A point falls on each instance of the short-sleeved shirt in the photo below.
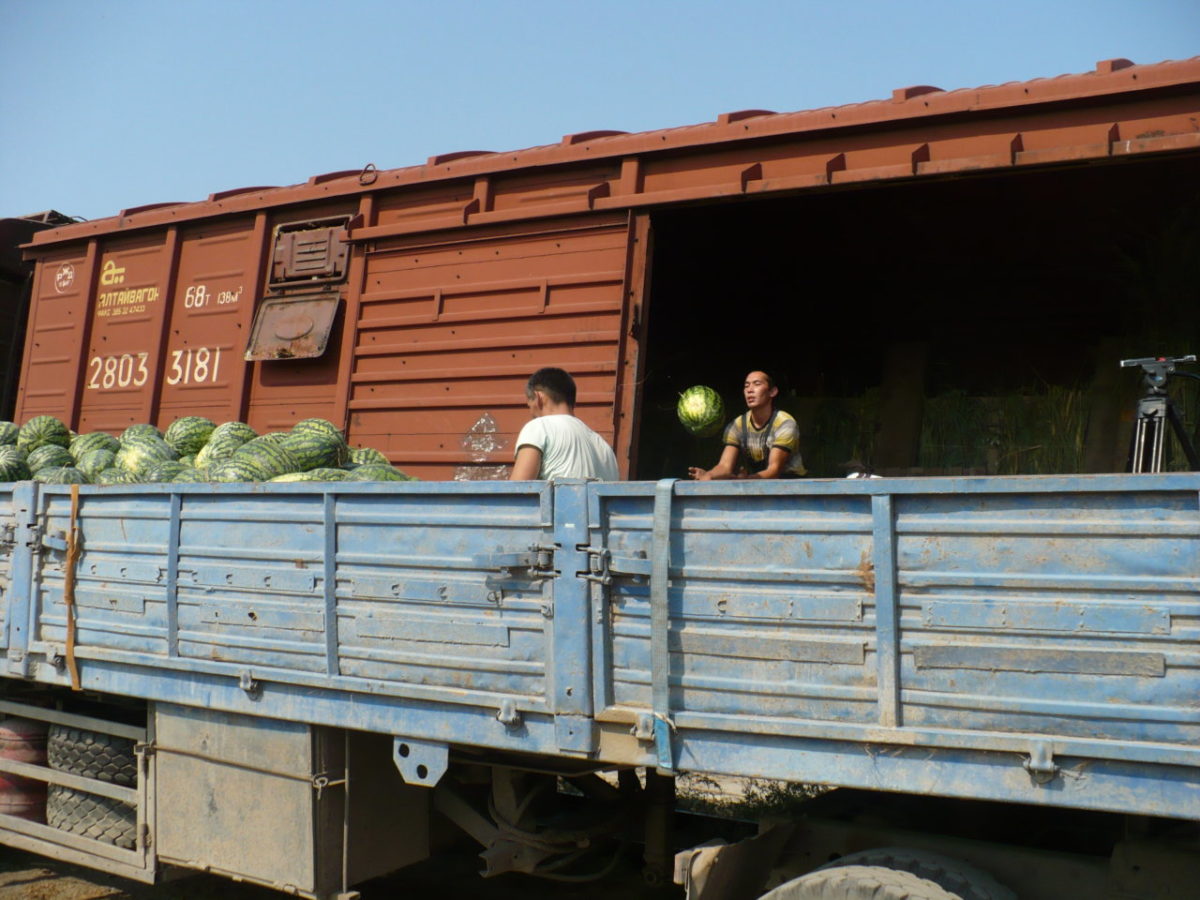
(569, 448)
(755, 443)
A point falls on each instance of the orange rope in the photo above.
(69, 586)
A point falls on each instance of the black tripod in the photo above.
(1156, 410)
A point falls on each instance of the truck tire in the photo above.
(957, 877)
(91, 816)
(859, 883)
(92, 754)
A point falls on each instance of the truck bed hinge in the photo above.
(1040, 764)
(602, 565)
(532, 564)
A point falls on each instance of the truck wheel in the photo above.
(859, 883)
(91, 816)
(92, 754)
(957, 877)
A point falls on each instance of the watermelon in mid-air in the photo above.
(701, 410)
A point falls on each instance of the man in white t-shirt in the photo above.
(555, 444)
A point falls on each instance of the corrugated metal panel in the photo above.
(212, 302)
(448, 333)
(992, 614)
(58, 321)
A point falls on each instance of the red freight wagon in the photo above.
(901, 246)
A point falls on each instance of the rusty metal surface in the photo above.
(292, 327)
(447, 334)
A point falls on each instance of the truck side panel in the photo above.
(900, 633)
(1021, 639)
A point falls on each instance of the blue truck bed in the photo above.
(1028, 639)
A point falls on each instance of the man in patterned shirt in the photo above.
(763, 442)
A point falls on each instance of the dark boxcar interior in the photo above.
(965, 325)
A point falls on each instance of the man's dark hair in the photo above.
(554, 383)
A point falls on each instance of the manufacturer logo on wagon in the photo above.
(111, 274)
(64, 277)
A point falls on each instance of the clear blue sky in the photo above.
(109, 104)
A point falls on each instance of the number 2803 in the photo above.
(108, 372)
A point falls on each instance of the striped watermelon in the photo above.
(43, 430)
(12, 464)
(60, 475)
(374, 472)
(239, 468)
(114, 476)
(321, 474)
(136, 431)
(314, 448)
(95, 461)
(48, 456)
(188, 434)
(223, 442)
(166, 470)
(93, 440)
(269, 452)
(190, 475)
(142, 450)
(365, 456)
(8, 434)
(701, 410)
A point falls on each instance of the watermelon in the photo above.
(374, 472)
(114, 476)
(60, 475)
(48, 455)
(322, 426)
(166, 470)
(42, 430)
(189, 475)
(12, 464)
(322, 474)
(142, 450)
(93, 462)
(136, 431)
(701, 410)
(223, 442)
(93, 440)
(314, 448)
(240, 468)
(364, 456)
(188, 434)
(269, 452)
(8, 434)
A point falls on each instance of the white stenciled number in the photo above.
(195, 296)
(126, 370)
(194, 366)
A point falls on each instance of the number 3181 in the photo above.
(194, 365)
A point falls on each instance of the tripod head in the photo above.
(1157, 369)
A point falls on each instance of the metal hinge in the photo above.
(602, 565)
(535, 563)
(1040, 765)
(33, 537)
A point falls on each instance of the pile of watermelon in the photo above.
(192, 449)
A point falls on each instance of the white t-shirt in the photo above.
(569, 448)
